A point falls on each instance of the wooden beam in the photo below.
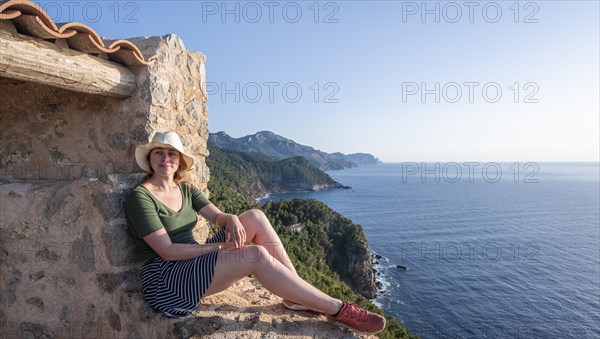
(29, 59)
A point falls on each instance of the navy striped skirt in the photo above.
(175, 287)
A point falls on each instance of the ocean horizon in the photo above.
(491, 249)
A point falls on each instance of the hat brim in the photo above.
(141, 154)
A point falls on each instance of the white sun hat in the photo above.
(164, 140)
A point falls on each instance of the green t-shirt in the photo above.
(146, 214)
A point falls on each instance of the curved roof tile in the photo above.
(31, 20)
(9, 14)
(34, 26)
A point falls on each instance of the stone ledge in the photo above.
(247, 310)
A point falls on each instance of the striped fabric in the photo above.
(175, 287)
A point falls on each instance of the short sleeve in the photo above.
(198, 199)
(142, 214)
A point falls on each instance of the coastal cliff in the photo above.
(255, 176)
(328, 236)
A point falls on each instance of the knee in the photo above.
(255, 254)
(250, 255)
(254, 215)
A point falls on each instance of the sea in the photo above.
(480, 249)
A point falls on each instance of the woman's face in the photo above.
(164, 161)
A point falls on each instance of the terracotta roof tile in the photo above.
(9, 14)
(31, 20)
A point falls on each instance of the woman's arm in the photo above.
(234, 230)
(162, 245)
(212, 213)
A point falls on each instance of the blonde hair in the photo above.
(179, 174)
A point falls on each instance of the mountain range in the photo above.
(274, 147)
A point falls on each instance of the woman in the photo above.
(161, 213)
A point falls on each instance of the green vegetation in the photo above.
(315, 249)
(337, 241)
(318, 244)
(232, 176)
(256, 176)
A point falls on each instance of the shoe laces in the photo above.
(356, 312)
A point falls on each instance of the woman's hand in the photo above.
(234, 231)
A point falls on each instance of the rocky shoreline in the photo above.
(381, 265)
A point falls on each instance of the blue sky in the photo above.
(370, 72)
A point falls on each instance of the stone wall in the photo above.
(53, 134)
(67, 264)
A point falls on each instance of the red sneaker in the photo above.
(351, 315)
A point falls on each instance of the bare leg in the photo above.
(260, 232)
(235, 264)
